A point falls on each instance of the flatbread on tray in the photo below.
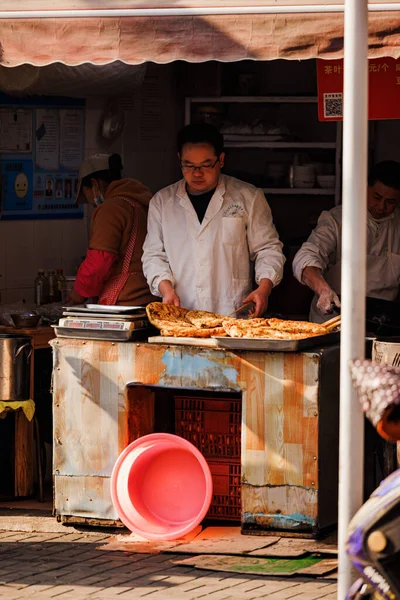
(158, 313)
(189, 331)
(204, 319)
(174, 321)
(297, 326)
(247, 328)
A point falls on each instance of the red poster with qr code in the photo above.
(384, 89)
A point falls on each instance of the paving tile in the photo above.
(69, 566)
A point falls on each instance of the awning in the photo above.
(227, 38)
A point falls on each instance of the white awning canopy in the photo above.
(169, 30)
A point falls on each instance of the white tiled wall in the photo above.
(26, 246)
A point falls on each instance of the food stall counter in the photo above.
(104, 398)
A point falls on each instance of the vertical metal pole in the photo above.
(355, 165)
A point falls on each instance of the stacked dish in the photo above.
(304, 176)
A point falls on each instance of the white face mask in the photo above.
(98, 199)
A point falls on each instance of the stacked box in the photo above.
(213, 425)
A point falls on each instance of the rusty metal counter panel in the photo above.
(94, 418)
(280, 441)
(96, 415)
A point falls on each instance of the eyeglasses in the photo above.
(194, 168)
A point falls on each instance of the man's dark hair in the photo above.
(201, 133)
(387, 172)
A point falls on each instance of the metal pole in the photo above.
(81, 13)
(353, 290)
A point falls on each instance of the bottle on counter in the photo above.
(61, 285)
(40, 288)
(53, 287)
(46, 287)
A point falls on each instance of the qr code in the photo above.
(333, 106)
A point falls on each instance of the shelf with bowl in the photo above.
(302, 122)
(282, 145)
(304, 191)
(252, 100)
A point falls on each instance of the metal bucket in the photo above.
(15, 367)
(387, 351)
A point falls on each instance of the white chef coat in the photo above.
(323, 250)
(210, 264)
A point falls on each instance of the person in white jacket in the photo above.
(208, 234)
(318, 262)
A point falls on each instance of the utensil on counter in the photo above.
(333, 323)
(236, 312)
(29, 319)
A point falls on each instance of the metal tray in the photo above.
(103, 308)
(268, 345)
(103, 335)
(105, 316)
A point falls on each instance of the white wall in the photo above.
(26, 246)
(147, 147)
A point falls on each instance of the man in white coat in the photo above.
(318, 262)
(208, 234)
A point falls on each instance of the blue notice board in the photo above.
(17, 178)
(41, 149)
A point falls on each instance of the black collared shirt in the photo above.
(200, 203)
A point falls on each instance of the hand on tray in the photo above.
(260, 298)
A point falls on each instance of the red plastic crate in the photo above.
(226, 500)
(212, 425)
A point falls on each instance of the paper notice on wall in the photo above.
(71, 138)
(152, 113)
(15, 130)
(47, 137)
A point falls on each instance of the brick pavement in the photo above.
(67, 566)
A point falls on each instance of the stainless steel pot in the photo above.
(15, 367)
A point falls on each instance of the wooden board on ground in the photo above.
(184, 341)
(139, 545)
(311, 565)
(223, 540)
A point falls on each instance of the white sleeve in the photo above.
(319, 249)
(155, 261)
(263, 240)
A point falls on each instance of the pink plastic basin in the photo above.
(161, 487)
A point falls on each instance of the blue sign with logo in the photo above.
(17, 183)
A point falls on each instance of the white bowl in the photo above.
(303, 182)
(326, 181)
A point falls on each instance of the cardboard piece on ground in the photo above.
(310, 565)
(139, 545)
(327, 565)
(220, 540)
(299, 547)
